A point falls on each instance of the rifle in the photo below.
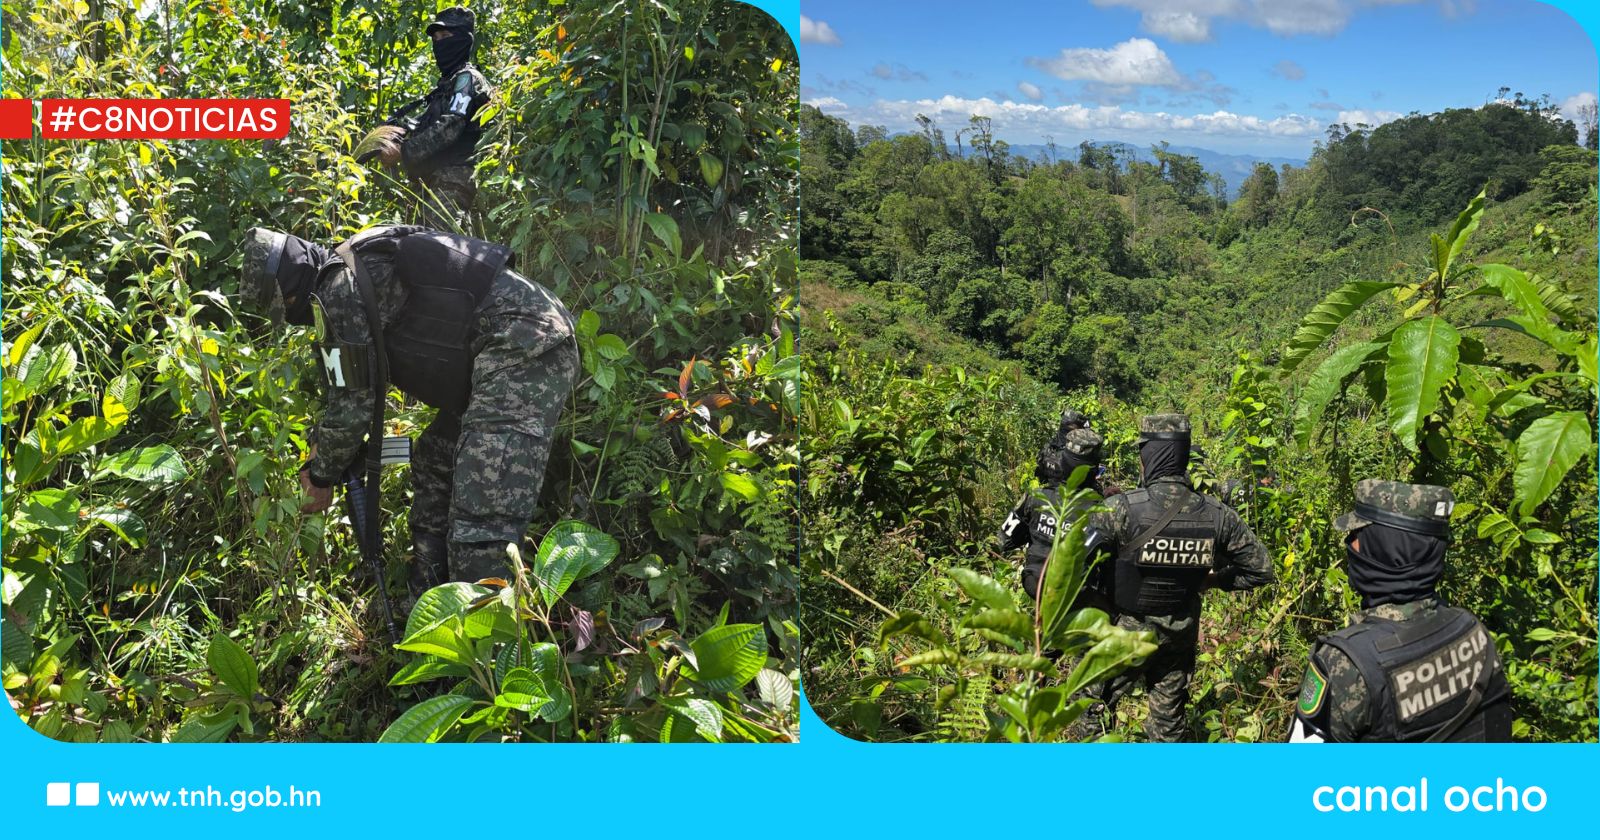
(392, 130)
(365, 513)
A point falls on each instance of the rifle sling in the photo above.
(380, 392)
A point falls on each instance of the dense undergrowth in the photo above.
(1288, 331)
(160, 583)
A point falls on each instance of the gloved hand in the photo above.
(321, 497)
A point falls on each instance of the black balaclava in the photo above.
(1393, 566)
(452, 52)
(297, 277)
(1162, 458)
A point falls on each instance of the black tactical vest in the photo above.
(429, 343)
(1422, 676)
(1160, 575)
(458, 153)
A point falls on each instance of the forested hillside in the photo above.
(160, 581)
(956, 304)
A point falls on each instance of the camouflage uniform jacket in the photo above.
(448, 129)
(347, 412)
(1348, 715)
(1243, 561)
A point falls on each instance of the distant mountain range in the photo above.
(1233, 168)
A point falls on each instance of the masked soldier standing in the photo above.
(1032, 524)
(1169, 544)
(1409, 667)
(456, 328)
(437, 153)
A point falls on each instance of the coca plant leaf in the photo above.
(233, 666)
(728, 657)
(425, 722)
(1320, 322)
(1546, 451)
(1422, 358)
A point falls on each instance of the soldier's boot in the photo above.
(430, 563)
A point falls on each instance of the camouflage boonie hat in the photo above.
(1418, 508)
(1163, 427)
(258, 272)
(1083, 442)
(455, 17)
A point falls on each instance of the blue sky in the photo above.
(1261, 77)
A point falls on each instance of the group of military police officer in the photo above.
(445, 318)
(1409, 667)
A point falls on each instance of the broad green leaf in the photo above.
(711, 169)
(1118, 650)
(522, 689)
(1325, 383)
(728, 657)
(441, 602)
(43, 367)
(445, 640)
(1026, 662)
(612, 347)
(910, 623)
(705, 715)
(1517, 289)
(233, 665)
(1321, 322)
(150, 465)
(1007, 621)
(983, 589)
(570, 551)
(123, 522)
(425, 668)
(741, 485)
(775, 689)
(937, 656)
(1064, 574)
(1422, 358)
(19, 347)
(426, 721)
(1461, 231)
(1545, 452)
(81, 434)
(665, 229)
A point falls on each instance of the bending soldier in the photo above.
(1031, 522)
(1169, 544)
(460, 330)
(1409, 667)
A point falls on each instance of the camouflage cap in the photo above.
(455, 17)
(1164, 427)
(1083, 442)
(1418, 508)
(1073, 419)
(258, 272)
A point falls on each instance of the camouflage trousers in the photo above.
(446, 195)
(476, 475)
(1165, 674)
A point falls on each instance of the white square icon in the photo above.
(58, 793)
(88, 793)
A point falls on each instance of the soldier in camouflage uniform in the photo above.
(1409, 667)
(437, 153)
(494, 351)
(1031, 523)
(1167, 545)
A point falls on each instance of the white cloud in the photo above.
(817, 32)
(1287, 69)
(1372, 118)
(1024, 121)
(898, 72)
(1136, 61)
(1183, 27)
(1031, 91)
(1570, 106)
(827, 103)
(1189, 21)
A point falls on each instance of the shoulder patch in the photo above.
(1313, 690)
(463, 80)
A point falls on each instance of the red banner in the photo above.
(16, 119)
(164, 119)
